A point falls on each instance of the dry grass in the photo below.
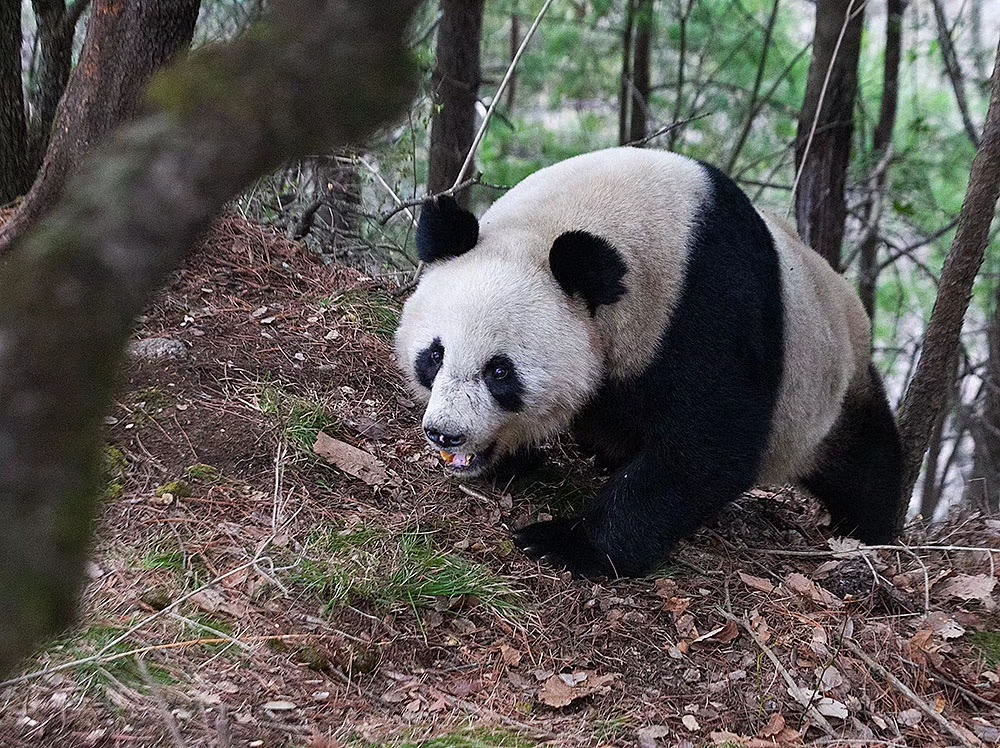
(245, 593)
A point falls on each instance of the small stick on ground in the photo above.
(908, 693)
(811, 710)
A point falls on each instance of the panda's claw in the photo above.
(564, 543)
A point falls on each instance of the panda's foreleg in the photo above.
(636, 518)
(858, 471)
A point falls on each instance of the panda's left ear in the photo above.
(588, 266)
(445, 230)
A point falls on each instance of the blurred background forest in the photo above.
(891, 125)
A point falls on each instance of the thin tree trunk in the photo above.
(625, 87)
(13, 133)
(926, 393)
(320, 74)
(455, 83)
(639, 114)
(56, 29)
(685, 7)
(826, 125)
(125, 44)
(515, 42)
(983, 487)
(954, 70)
(881, 149)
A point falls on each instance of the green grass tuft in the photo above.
(372, 310)
(406, 570)
(988, 642)
(302, 418)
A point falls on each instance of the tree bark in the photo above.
(881, 148)
(926, 393)
(321, 73)
(455, 83)
(639, 114)
(625, 85)
(826, 125)
(56, 29)
(126, 42)
(13, 134)
(515, 42)
(983, 487)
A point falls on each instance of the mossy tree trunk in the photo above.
(126, 43)
(319, 74)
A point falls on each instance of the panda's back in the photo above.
(646, 203)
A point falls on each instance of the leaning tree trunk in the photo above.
(639, 114)
(13, 134)
(322, 73)
(456, 90)
(826, 125)
(125, 44)
(926, 393)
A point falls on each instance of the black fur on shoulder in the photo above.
(445, 229)
(588, 265)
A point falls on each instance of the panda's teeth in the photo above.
(456, 460)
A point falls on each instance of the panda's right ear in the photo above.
(445, 229)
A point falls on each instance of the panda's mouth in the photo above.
(465, 463)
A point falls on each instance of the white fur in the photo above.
(827, 339)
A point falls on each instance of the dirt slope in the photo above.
(246, 592)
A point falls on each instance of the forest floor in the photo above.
(245, 591)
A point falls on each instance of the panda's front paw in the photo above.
(564, 543)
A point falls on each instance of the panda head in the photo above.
(499, 337)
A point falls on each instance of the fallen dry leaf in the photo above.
(350, 459)
(969, 587)
(775, 724)
(690, 722)
(805, 587)
(563, 689)
(756, 583)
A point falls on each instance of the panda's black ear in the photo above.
(588, 266)
(445, 229)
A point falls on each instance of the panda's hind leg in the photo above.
(858, 471)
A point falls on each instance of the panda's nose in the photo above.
(443, 440)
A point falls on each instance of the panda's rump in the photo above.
(826, 350)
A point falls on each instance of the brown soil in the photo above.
(244, 592)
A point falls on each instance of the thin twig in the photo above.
(161, 703)
(498, 95)
(896, 683)
(813, 712)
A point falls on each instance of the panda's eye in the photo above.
(437, 355)
(499, 373)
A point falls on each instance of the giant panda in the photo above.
(696, 345)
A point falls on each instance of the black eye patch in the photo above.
(428, 363)
(504, 383)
